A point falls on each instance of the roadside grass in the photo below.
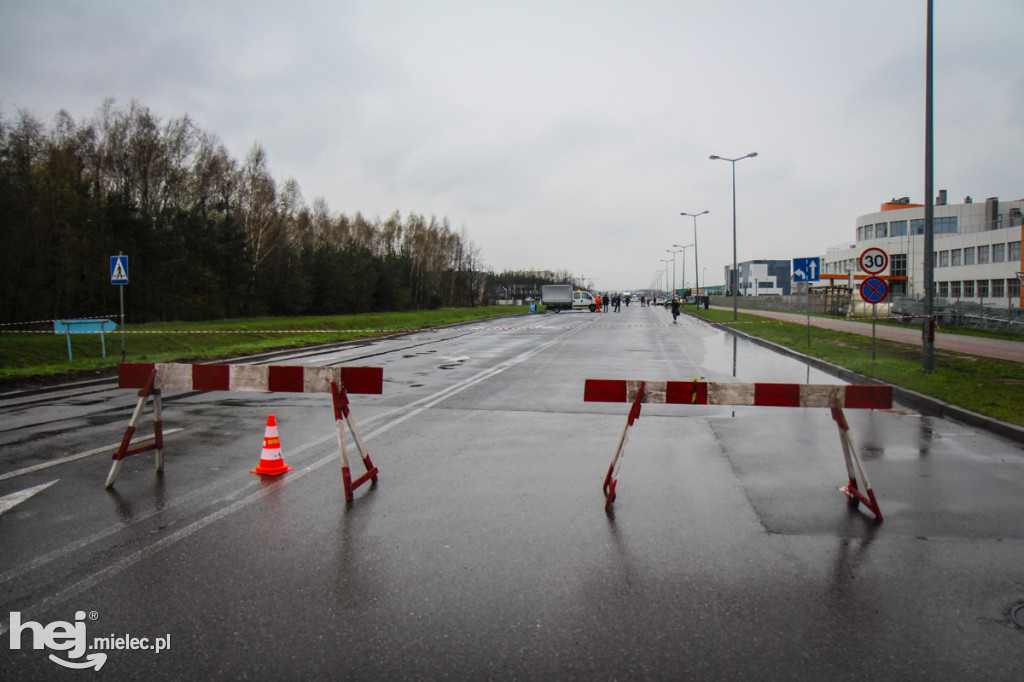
(984, 385)
(916, 324)
(35, 355)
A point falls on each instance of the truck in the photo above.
(559, 297)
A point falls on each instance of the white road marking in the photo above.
(14, 499)
(134, 558)
(72, 458)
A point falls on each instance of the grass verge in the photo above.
(33, 356)
(984, 385)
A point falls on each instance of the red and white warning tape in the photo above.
(16, 324)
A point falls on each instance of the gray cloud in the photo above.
(561, 134)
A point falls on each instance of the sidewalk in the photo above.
(972, 345)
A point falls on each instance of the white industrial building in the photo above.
(977, 249)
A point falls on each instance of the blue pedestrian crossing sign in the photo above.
(119, 269)
(807, 269)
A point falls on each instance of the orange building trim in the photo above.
(890, 206)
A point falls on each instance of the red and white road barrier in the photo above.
(698, 392)
(152, 379)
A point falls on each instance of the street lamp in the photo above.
(696, 262)
(666, 262)
(735, 270)
(674, 252)
(683, 248)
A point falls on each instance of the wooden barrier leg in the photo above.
(158, 430)
(371, 471)
(844, 430)
(346, 477)
(854, 465)
(612, 478)
(342, 416)
(124, 451)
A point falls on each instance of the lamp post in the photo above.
(683, 248)
(696, 262)
(674, 252)
(735, 270)
(666, 262)
(928, 328)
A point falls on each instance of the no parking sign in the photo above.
(874, 289)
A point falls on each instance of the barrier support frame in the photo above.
(854, 465)
(612, 478)
(858, 488)
(148, 390)
(342, 416)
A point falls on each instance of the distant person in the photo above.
(643, 301)
(675, 309)
(618, 303)
(597, 302)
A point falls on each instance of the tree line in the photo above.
(208, 236)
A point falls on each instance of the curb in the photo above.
(920, 401)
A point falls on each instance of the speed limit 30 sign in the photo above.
(874, 261)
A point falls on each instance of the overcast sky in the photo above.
(563, 134)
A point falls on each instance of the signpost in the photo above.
(807, 270)
(119, 278)
(874, 290)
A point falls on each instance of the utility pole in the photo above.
(928, 325)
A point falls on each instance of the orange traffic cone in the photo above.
(271, 462)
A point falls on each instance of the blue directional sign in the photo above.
(119, 269)
(806, 269)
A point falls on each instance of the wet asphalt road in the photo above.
(484, 551)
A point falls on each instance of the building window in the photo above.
(983, 254)
(968, 288)
(869, 232)
(881, 230)
(954, 257)
(898, 265)
(1013, 288)
(999, 253)
(997, 288)
(945, 225)
(943, 259)
(943, 289)
(969, 255)
(982, 288)
(1013, 252)
(898, 268)
(917, 226)
(954, 289)
(898, 228)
